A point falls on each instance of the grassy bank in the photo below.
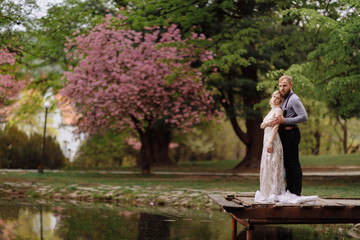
(343, 161)
(168, 190)
(331, 160)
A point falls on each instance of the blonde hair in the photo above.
(282, 99)
(288, 78)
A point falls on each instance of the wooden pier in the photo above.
(244, 210)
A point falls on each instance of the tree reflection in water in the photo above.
(63, 220)
(97, 223)
(268, 233)
(153, 226)
(109, 221)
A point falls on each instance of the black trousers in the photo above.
(290, 140)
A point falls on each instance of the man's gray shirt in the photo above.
(295, 111)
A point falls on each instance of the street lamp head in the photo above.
(46, 104)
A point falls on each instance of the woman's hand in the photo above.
(270, 147)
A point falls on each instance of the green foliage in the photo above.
(17, 150)
(47, 36)
(209, 141)
(249, 39)
(105, 151)
(238, 36)
(13, 16)
(329, 39)
(319, 39)
(13, 143)
(331, 73)
(30, 104)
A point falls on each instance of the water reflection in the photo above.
(18, 221)
(100, 221)
(269, 233)
(72, 221)
(153, 226)
(308, 232)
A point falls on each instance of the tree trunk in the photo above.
(154, 149)
(317, 135)
(254, 145)
(253, 138)
(316, 150)
(345, 142)
(153, 226)
(344, 136)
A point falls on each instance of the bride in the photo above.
(272, 172)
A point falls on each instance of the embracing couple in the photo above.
(280, 155)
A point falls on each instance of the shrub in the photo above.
(17, 150)
(103, 150)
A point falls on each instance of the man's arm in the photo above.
(301, 115)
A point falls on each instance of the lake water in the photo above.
(81, 221)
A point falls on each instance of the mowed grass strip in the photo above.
(346, 187)
(322, 161)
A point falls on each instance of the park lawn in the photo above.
(346, 161)
(316, 162)
(322, 186)
(134, 185)
(331, 160)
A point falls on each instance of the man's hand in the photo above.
(270, 148)
(278, 120)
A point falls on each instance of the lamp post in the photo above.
(41, 169)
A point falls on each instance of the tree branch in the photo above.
(136, 123)
(336, 131)
(229, 107)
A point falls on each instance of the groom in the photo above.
(293, 114)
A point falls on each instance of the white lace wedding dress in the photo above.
(272, 172)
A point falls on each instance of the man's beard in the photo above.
(284, 95)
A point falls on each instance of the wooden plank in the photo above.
(237, 201)
(292, 212)
(303, 205)
(222, 202)
(326, 210)
(241, 201)
(249, 201)
(302, 221)
(245, 194)
(347, 202)
(329, 203)
(322, 202)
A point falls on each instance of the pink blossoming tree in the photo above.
(142, 81)
(9, 86)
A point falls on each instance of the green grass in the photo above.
(59, 179)
(228, 165)
(322, 186)
(345, 160)
(331, 160)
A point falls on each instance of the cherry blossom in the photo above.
(9, 86)
(127, 79)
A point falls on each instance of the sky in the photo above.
(44, 5)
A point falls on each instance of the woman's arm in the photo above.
(274, 132)
(265, 124)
